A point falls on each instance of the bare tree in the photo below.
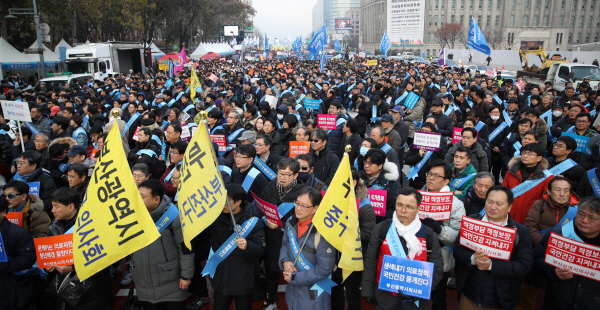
(447, 34)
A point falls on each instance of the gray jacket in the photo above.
(416, 115)
(43, 124)
(479, 158)
(298, 294)
(158, 267)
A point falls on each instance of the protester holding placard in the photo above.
(491, 283)
(403, 236)
(479, 158)
(530, 166)
(415, 156)
(65, 207)
(29, 206)
(438, 178)
(474, 199)
(566, 288)
(379, 173)
(16, 291)
(281, 192)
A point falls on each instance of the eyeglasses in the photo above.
(304, 168)
(434, 176)
(580, 121)
(284, 175)
(9, 196)
(315, 141)
(559, 146)
(529, 154)
(302, 206)
(241, 157)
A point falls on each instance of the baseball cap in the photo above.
(512, 100)
(160, 96)
(388, 118)
(77, 150)
(397, 109)
(53, 110)
(248, 135)
(249, 97)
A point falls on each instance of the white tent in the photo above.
(49, 55)
(64, 46)
(205, 48)
(156, 52)
(12, 59)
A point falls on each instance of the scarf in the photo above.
(284, 190)
(389, 130)
(473, 196)
(27, 176)
(409, 234)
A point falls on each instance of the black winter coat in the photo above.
(273, 237)
(238, 177)
(444, 124)
(502, 284)
(6, 155)
(355, 142)
(325, 164)
(47, 187)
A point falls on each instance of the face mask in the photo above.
(363, 150)
(303, 176)
(280, 116)
(495, 117)
(557, 113)
(59, 100)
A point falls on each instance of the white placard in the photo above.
(272, 100)
(15, 110)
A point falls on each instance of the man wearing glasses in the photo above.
(316, 251)
(176, 156)
(246, 175)
(325, 161)
(34, 219)
(563, 149)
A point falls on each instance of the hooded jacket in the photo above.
(544, 215)
(388, 179)
(325, 164)
(35, 220)
(523, 203)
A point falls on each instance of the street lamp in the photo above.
(11, 15)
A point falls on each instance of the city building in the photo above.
(327, 11)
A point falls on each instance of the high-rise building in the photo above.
(507, 24)
(327, 11)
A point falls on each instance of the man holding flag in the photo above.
(385, 43)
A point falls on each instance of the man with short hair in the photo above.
(59, 127)
(582, 129)
(351, 138)
(562, 150)
(77, 175)
(30, 171)
(462, 172)
(474, 198)
(267, 158)
(175, 157)
(564, 289)
(33, 219)
(325, 161)
(245, 174)
(378, 134)
(306, 174)
(490, 283)
(39, 122)
(444, 122)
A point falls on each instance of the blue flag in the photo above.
(170, 68)
(266, 47)
(318, 41)
(476, 39)
(322, 61)
(337, 45)
(385, 43)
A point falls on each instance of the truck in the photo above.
(104, 60)
(560, 73)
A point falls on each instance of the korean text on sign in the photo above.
(429, 141)
(412, 277)
(269, 210)
(583, 259)
(220, 141)
(15, 110)
(456, 135)
(299, 147)
(15, 218)
(378, 199)
(436, 205)
(54, 251)
(494, 240)
(326, 121)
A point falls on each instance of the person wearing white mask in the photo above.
(420, 243)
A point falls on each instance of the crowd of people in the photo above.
(498, 168)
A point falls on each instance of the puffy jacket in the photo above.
(479, 158)
(416, 115)
(325, 164)
(16, 292)
(500, 286)
(298, 294)
(543, 215)
(35, 220)
(523, 203)
(444, 124)
(465, 185)
(42, 124)
(158, 267)
(237, 274)
(273, 237)
(388, 179)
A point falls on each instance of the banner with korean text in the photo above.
(113, 221)
(54, 251)
(581, 258)
(326, 121)
(494, 240)
(299, 147)
(436, 205)
(412, 277)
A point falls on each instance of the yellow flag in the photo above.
(201, 192)
(337, 219)
(113, 221)
(194, 83)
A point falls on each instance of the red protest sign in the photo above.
(326, 121)
(136, 136)
(489, 72)
(299, 147)
(213, 77)
(269, 210)
(15, 218)
(54, 251)
(378, 199)
(581, 258)
(456, 135)
(520, 84)
(220, 141)
(436, 205)
(494, 240)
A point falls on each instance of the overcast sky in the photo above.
(283, 18)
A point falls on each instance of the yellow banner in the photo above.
(337, 219)
(372, 62)
(113, 221)
(201, 192)
(194, 83)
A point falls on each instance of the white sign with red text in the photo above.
(436, 205)
(494, 240)
(583, 259)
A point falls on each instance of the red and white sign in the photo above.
(220, 141)
(269, 210)
(489, 72)
(583, 259)
(378, 199)
(15, 217)
(136, 136)
(299, 147)
(456, 135)
(326, 121)
(222, 59)
(213, 77)
(54, 251)
(494, 240)
(436, 205)
(520, 84)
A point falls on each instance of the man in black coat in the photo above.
(30, 171)
(244, 159)
(350, 138)
(444, 122)
(325, 161)
(490, 282)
